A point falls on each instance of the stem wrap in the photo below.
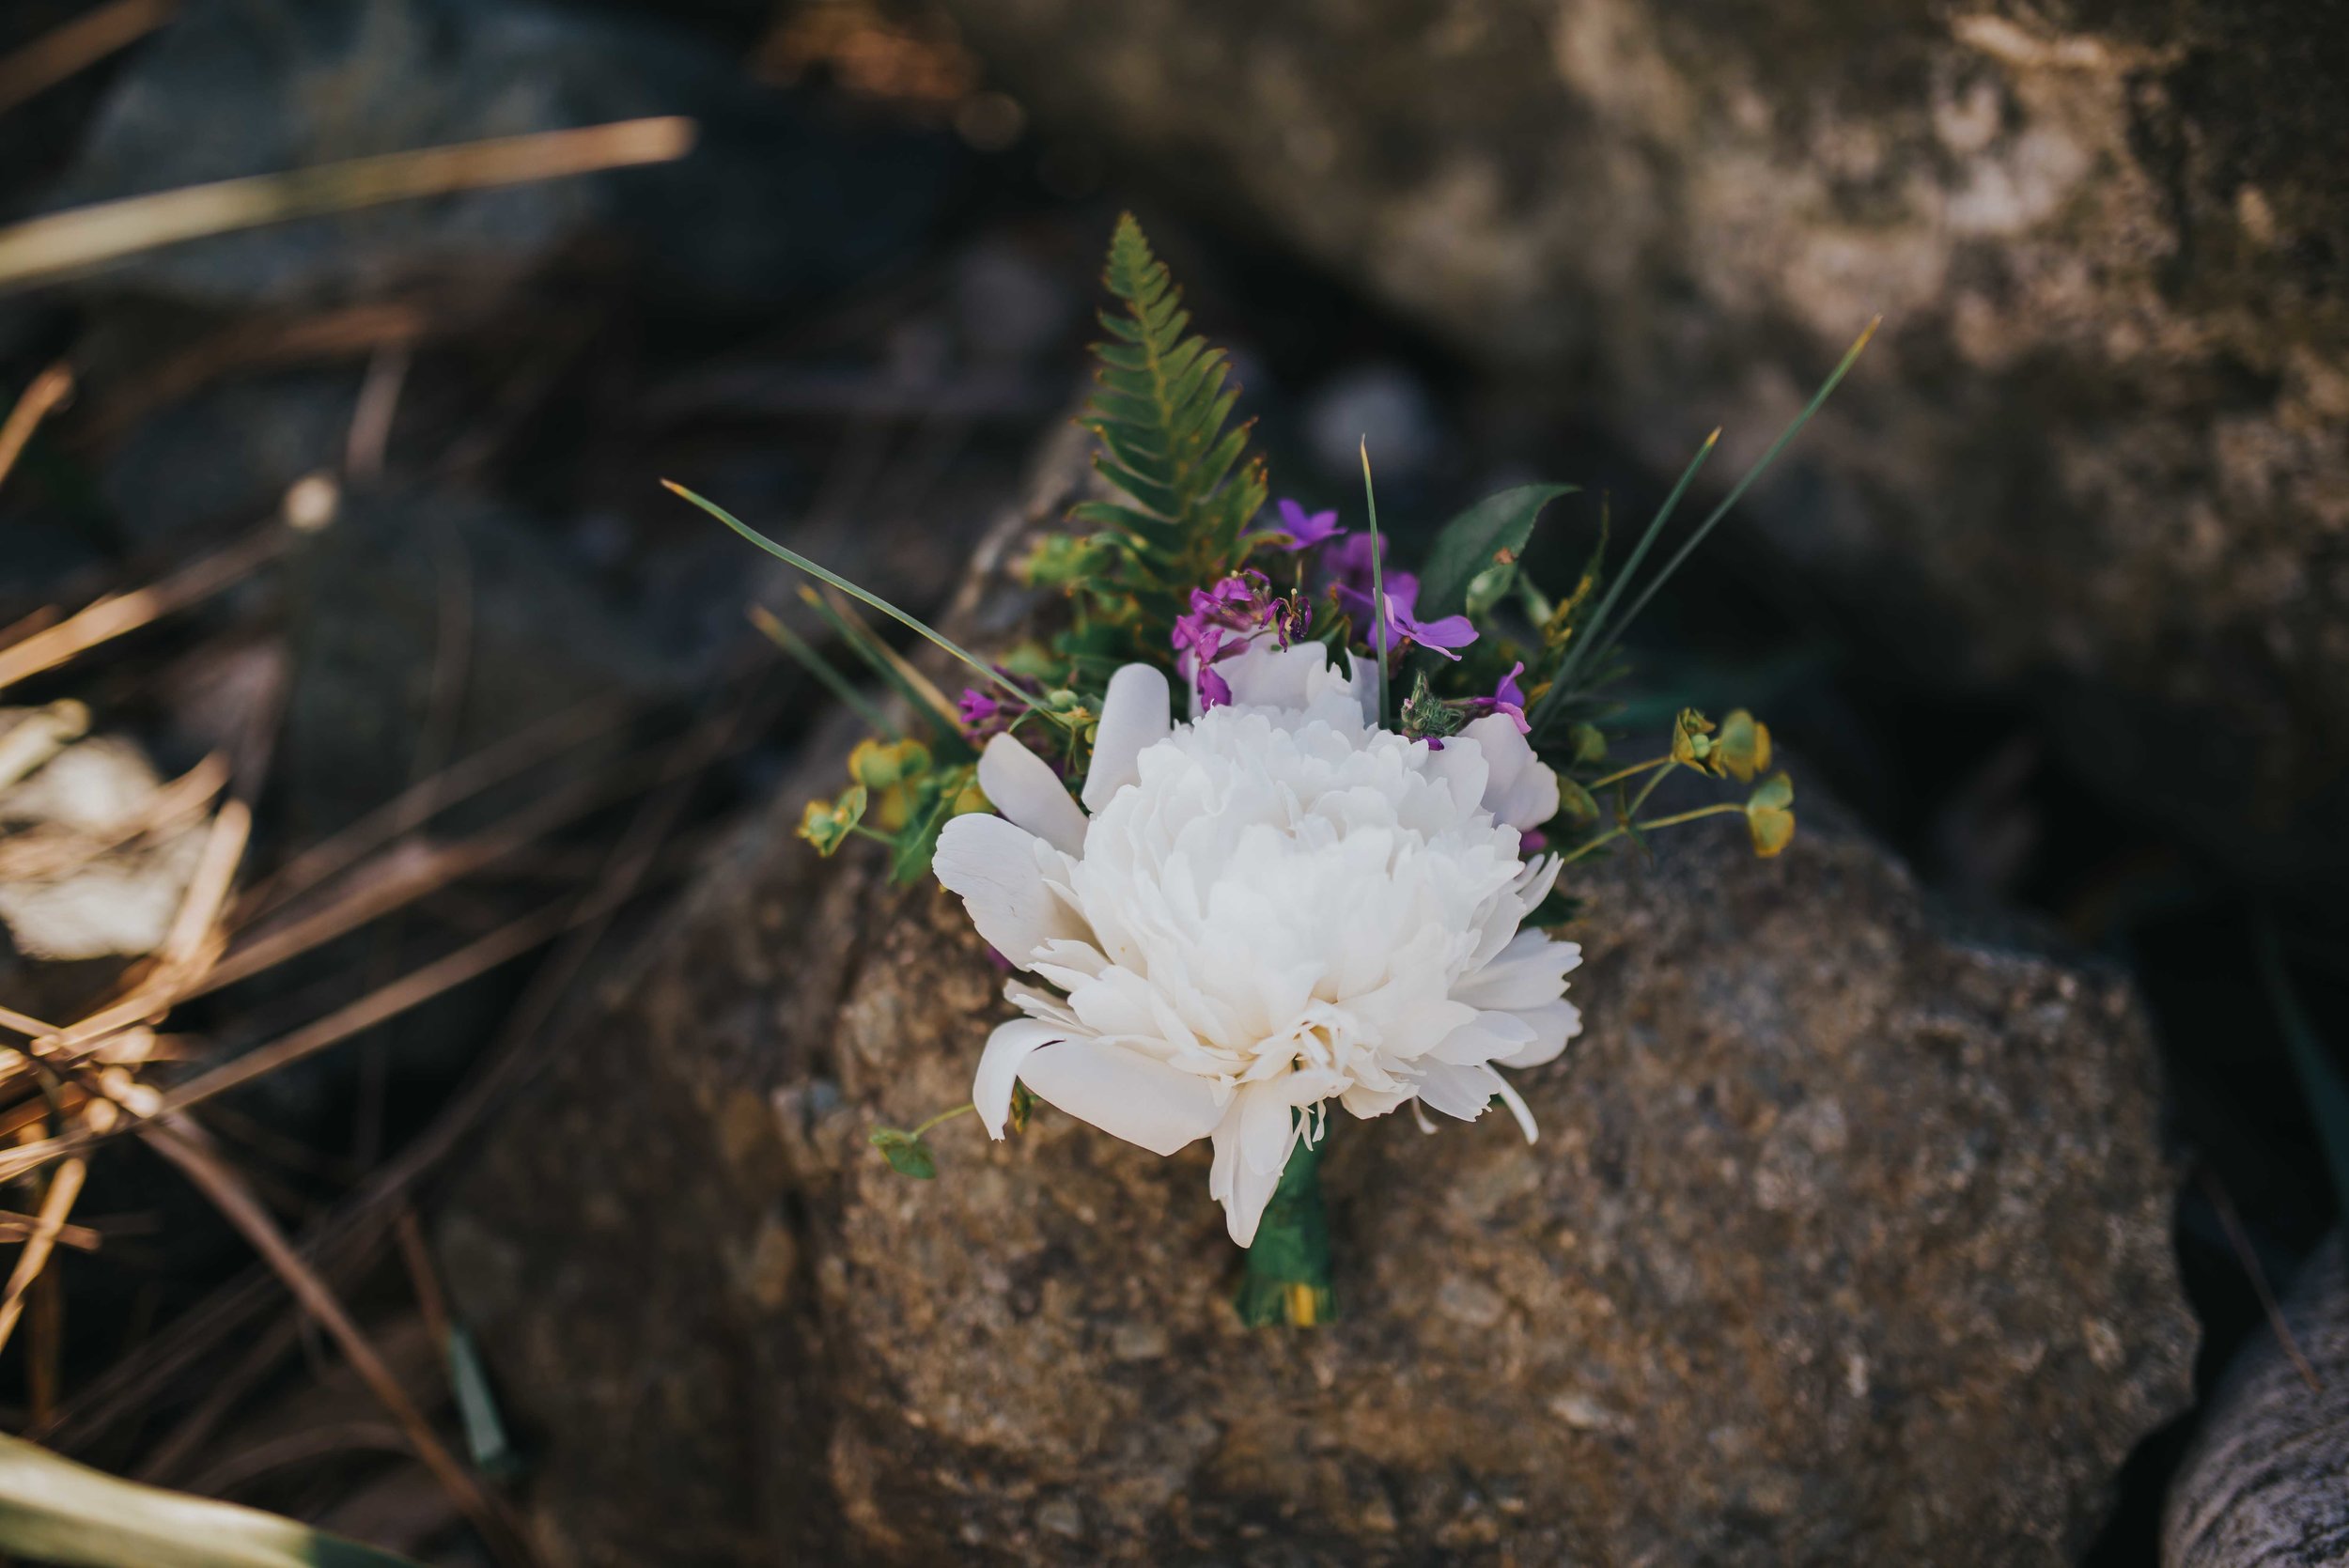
(1287, 1279)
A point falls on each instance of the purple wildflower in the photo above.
(1507, 698)
(1297, 529)
(984, 713)
(1225, 619)
(1351, 584)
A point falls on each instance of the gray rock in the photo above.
(2266, 1483)
(1846, 1240)
(2094, 457)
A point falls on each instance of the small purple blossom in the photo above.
(1225, 619)
(1350, 583)
(1297, 529)
(984, 713)
(1507, 698)
(981, 713)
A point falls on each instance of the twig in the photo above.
(237, 1204)
(295, 1448)
(378, 402)
(2232, 1223)
(412, 990)
(47, 247)
(491, 766)
(422, 1276)
(50, 388)
(22, 1227)
(66, 51)
(353, 1236)
(335, 334)
(181, 1443)
(421, 874)
(116, 614)
(64, 1187)
(54, 849)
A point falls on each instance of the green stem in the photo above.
(1287, 1278)
(1649, 789)
(1721, 809)
(944, 1116)
(1724, 808)
(1625, 773)
(1377, 582)
(1588, 844)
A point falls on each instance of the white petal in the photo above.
(1518, 1109)
(1365, 683)
(1522, 791)
(999, 870)
(1025, 788)
(1268, 1125)
(1007, 1050)
(1366, 1103)
(1235, 1181)
(1124, 1093)
(1270, 675)
(1531, 971)
(1491, 1037)
(1138, 711)
(1462, 1092)
(1554, 1024)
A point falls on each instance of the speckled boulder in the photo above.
(2094, 457)
(1846, 1241)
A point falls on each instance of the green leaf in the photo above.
(906, 1152)
(485, 1440)
(1491, 532)
(56, 1510)
(1161, 410)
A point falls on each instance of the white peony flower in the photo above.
(1273, 905)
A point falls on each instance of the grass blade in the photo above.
(1818, 399)
(1631, 565)
(60, 243)
(792, 557)
(772, 627)
(55, 1511)
(1377, 581)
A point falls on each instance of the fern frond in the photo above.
(1161, 410)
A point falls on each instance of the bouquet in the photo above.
(1268, 826)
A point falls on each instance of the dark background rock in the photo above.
(2266, 1484)
(2094, 457)
(317, 82)
(1846, 1240)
